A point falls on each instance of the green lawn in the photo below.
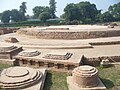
(110, 77)
(2, 66)
(55, 81)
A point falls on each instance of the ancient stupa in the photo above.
(24, 78)
(85, 78)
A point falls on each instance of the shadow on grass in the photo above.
(107, 66)
(48, 81)
(108, 83)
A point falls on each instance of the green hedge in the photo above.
(32, 23)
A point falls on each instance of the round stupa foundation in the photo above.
(86, 76)
(19, 77)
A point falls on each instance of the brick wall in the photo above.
(70, 35)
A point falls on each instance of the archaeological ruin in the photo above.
(24, 78)
(85, 78)
(62, 48)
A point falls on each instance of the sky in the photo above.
(14, 4)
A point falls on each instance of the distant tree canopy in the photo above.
(22, 10)
(79, 13)
(40, 9)
(44, 16)
(115, 11)
(52, 7)
(0, 15)
(5, 18)
(84, 12)
(14, 14)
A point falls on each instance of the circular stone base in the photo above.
(16, 72)
(85, 76)
(19, 77)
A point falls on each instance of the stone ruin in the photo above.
(4, 30)
(29, 53)
(58, 56)
(11, 40)
(7, 51)
(24, 78)
(55, 61)
(85, 78)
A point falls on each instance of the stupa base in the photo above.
(74, 86)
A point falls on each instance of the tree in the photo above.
(115, 11)
(44, 16)
(15, 15)
(0, 15)
(22, 10)
(5, 18)
(71, 12)
(40, 9)
(52, 4)
(88, 12)
(84, 12)
(106, 17)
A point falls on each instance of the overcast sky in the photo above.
(14, 4)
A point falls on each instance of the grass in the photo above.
(110, 76)
(2, 66)
(55, 81)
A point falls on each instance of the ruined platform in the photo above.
(22, 78)
(74, 32)
(56, 61)
(8, 51)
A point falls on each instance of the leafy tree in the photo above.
(85, 12)
(15, 15)
(115, 11)
(5, 18)
(71, 12)
(44, 16)
(106, 17)
(52, 4)
(0, 15)
(88, 11)
(40, 9)
(22, 10)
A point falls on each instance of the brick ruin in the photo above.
(24, 78)
(52, 33)
(85, 78)
(4, 30)
(53, 61)
(58, 60)
(7, 53)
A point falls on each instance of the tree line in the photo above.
(79, 13)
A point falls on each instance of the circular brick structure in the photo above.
(7, 48)
(29, 53)
(19, 77)
(86, 76)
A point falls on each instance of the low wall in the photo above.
(7, 61)
(96, 61)
(70, 35)
(7, 30)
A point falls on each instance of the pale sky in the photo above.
(14, 4)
